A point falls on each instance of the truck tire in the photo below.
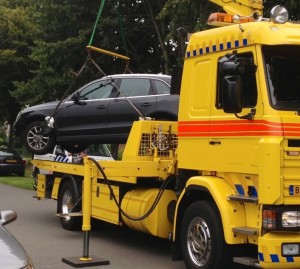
(202, 238)
(36, 140)
(35, 173)
(67, 198)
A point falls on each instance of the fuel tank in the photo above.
(136, 203)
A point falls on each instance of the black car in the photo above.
(100, 112)
(11, 162)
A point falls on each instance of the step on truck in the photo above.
(223, 182)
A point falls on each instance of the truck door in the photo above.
(194, 112)
(234, 137)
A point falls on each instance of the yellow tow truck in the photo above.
(223, 183)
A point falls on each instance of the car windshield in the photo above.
(7, 152)
(282, 65)
(98, 150)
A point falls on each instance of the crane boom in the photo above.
(240, 7)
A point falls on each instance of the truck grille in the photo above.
(291, 171)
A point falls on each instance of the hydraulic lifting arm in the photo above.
(241, 7)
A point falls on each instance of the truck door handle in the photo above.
(215, 142)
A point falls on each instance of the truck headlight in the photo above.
(290, 249)
(279, 14)
(290, 219)
(281, 218)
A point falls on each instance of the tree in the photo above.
(59, 48)
(16, 38)
(54, 34)
(64, 29)
(183, 17)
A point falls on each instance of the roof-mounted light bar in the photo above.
(279, 14)
(222, 19)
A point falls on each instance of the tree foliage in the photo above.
(16, 35)
(43, 43)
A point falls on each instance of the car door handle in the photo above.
(101, 107)
(146, 104)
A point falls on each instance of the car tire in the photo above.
(36, 139)
(74, 148)
(68, 201)
(22, 174)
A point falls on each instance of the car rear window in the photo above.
(135, 87)
(161, 87)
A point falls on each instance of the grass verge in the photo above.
(25, 182)
(20, 182)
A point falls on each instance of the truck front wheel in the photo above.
(68, 202)
(202, 238)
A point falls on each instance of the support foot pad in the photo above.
(76, 262)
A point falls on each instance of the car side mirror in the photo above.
(7, 216)
(76, 98)
(232, 94)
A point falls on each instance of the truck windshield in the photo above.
(282, 65)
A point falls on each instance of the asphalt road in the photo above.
(39, 231)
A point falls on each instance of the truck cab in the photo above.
(238, 134)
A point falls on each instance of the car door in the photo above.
(136, 94)
(87, 115)
(166, 103)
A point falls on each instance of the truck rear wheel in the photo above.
(68, 203)
(202, 238)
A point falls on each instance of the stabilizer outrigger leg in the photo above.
(86, 260)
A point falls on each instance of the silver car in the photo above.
(12, 254)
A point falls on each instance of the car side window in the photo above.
(97, 90)
(161, 87)
(135, 87)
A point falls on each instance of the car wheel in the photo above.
(74, 148)
(68, 202)
(36, 140)
(202, 239)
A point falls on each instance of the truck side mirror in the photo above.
(7, 216)
(233, 68)
(232, 94)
